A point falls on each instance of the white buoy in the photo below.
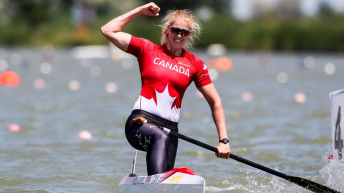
(216, 50)
(282, 77)
(39, 83)
(111, 88)
(300, 98)
(330, 69)
(246, 96)
(46, 68)
(74, 85)
(85, 135)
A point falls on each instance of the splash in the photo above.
(254, 182)
(333, 173)
(225, 189)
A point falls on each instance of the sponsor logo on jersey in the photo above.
(204, 67)
(172, 67)
(183, 64)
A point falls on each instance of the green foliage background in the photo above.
(39, 22)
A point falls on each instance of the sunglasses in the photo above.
(183, 32)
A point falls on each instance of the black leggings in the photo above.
(161, 148)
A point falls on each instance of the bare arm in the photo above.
(210, 94)
(112, 30)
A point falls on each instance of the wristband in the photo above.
(224, 140)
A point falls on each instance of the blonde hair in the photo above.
(193, 23)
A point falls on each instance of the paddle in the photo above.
(315, 187)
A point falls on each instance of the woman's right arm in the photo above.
(112, 30)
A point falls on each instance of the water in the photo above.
(47, 156)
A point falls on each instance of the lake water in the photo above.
(271, 129)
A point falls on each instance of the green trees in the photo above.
(39, 22)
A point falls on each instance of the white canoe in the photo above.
(176, 180)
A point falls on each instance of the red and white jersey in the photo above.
(165, 77)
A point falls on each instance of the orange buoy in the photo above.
(9, 78)
(224, 63)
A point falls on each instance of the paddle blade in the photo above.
(315, 187)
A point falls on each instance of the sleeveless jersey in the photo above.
(165, 77)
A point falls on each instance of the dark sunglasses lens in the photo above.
(185, 33)
(175, 30)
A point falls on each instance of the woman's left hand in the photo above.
(223, 150)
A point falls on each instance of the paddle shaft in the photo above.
(315, 187)
(232, 156)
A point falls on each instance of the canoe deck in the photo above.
(175, 180)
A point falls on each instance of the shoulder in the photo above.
(194, 60)
(142, 44)
(142, 41)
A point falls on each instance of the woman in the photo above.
(166, 71)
